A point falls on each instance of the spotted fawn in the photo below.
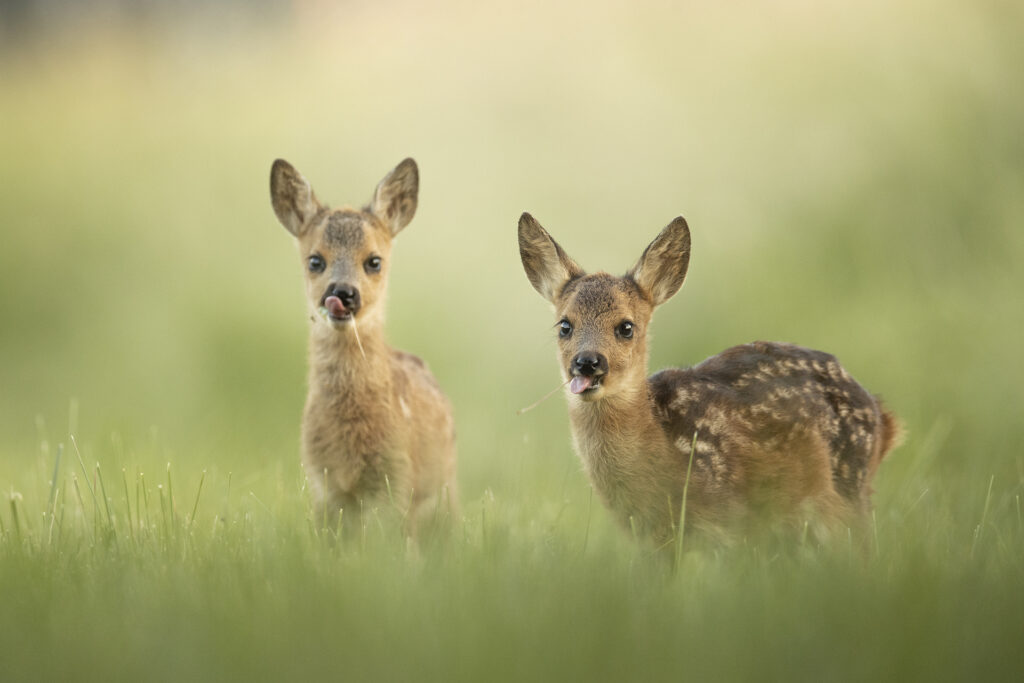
(377, 432)
(761, 433)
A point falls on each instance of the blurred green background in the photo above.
(852, 177)
(852, 173)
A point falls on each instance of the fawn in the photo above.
(763, 431)
(376, 427)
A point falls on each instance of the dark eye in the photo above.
(372, 264)
(625, 330)
(564, 329)
(316, 263)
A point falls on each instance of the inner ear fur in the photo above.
(396, 197)
(662, 268)
(292, 197)
(547, 265)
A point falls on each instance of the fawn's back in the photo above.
(765, 431)
(776, 426)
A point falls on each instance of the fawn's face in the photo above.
(602, 341)
(345, 253)
(603, 319)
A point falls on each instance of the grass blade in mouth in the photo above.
(542, 398)
(358, 342)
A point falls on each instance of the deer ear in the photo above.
(292, 197)
(547, 265)
(394, 201)
(662, 267)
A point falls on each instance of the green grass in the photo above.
(134, 585)
(852, 177)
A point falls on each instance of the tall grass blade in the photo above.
(257, 499)
(980, 530)
(682, 512)
(916, 501)
(128, 503)
(140, 483)
(192, 517)
(170, 497)
(85, 474)
(167, 529)
(81, 500)
(106, 500)
(53, 480)
(53, 517)
(15, 521)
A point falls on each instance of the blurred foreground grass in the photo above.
(853, 180)
(189, 576)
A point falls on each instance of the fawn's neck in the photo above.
(350, 362)
(618, 426)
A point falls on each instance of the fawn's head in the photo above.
(345, 252)
(603, 319)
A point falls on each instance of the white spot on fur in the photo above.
(717, 462)
(834, 371)
(682, 399)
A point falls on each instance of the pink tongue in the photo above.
(579, 384)
(334, 306)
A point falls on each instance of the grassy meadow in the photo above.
(852, 174)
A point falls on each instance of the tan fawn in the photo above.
(779, 433)
(377, 432)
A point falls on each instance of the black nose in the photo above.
(348, 294)
(589, 363)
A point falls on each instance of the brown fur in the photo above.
(377, 432)
(783, 433)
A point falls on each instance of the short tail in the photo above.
(892, 433)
